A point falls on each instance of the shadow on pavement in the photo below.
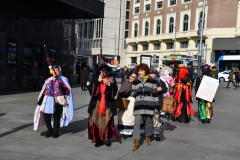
(166, 127)
(2, 114)
(14, 130)
(75, 127)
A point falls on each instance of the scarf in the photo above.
(144, 78)
(102, 104)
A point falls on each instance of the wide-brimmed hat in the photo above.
(104, 68)
(181, 66)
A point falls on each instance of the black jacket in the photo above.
(190, 75)
(160, 94)
(111, 92)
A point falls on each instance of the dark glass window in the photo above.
(135, 30)
(184, 44)
(126, 24)
(126, 34)
(136, 9)
(187, 0)
(157, 46)
(137, 1)
(128, 5)
(147, 7)
(158, 26)
(171, 23)
(170, 45)
(135, 48)
(200, 18)
(159, 4)
(185, 23)
(145, 47)
(146, 28)
(127, 14)
(172, 2)
(133, 59)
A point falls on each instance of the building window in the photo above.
(171, 23)
(172, 2)
(185, 23)
(126, 34)
(136, 9)
(145, 47)
(93, 45)
(127, 14)
(85, 30)
(187, 0)
(147, 7)
(133, 59)
(158, 26)
(157, 46)
(200, 18)
(128, 5)
(146, 28)
(170, 45)
(135, 30)
(135, 48)
(137, 1)
(125, 45)
(80, 31)
(159, 4)
(184, 44)
(126, 25)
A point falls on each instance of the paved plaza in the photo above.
(219, 140)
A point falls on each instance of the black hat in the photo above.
(153, 71)
(104, 68)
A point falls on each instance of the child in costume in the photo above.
(55, 104)
(183, 96)
(204, 107)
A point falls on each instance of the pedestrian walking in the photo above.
(144, 88)
(84, 78)
(35, 75)
(194, 75)
(124, 74)
(230, 79)
(183, 96)
(64, 70)
(102, 107)
(55, 104)
(162, 89)
(126, 116)
(236, 73)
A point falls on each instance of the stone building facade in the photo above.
(153, 23)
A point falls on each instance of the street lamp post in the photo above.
(201, 32)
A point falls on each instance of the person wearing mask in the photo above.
(236, 73)
(64, 70)
(144, 89)
(183, 96)
(55, 104)
(231, 79)
(124, 74)
(35, 75)
(84, 78)
(102, 108)
(162, 89)
(126, 116)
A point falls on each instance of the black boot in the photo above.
(108, 143)
(57, 118)
(203, 121)
(125, 136)
(208, 120)
(98, 144)
(47, 118)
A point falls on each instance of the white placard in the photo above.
(207, 88)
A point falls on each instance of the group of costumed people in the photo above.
(142, 88)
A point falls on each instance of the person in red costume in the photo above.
(183, 96)
(102, 107)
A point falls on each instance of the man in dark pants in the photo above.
(162, 89)
(190, 75)
(35, 75)
(64, 71)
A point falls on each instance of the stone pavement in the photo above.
(219, 140)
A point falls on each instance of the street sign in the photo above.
(199, 25)
(199, 33)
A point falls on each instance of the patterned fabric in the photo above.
(48, 103)
(168, 80)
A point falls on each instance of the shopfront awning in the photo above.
(54, 9)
